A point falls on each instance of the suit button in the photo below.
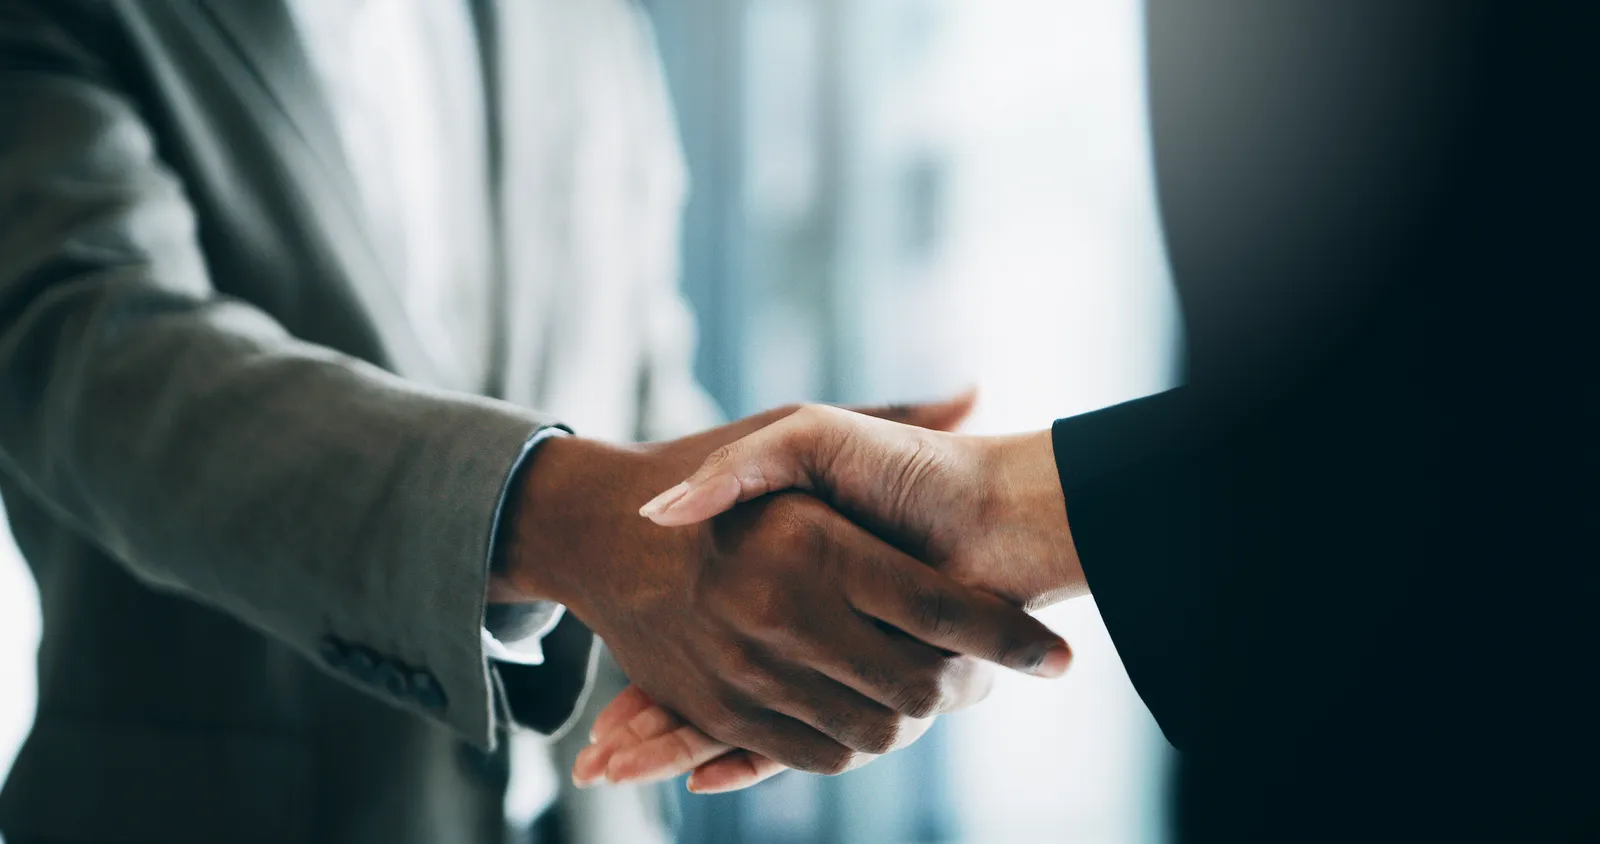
(393, 679)
(363, 665)
(333, 652)
(426, 691)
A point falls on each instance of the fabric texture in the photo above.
(257, 501)
(404, 84)
(1346, 565)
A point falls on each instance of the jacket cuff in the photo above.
(416, 637)
(1125, 475)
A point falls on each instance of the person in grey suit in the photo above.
(279, 284)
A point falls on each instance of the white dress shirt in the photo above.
(404, 80)
(592, 187)
(405, 84)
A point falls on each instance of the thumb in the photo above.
(783, 455)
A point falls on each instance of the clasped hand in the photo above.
(779, 626)
(978, 531)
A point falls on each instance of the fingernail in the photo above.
(583, 768)
(665, 500)
(697, 787)
(1054, 663)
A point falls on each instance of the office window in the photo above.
(894, 199)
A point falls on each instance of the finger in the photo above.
(732, 772)
(946, 415)
(611, 730)
(630, 702)
(664, 757)
(781, 456)
(787, 741)
(929, 606)
(743, 769)
(851, 718)
(897, 671)
(594, 760)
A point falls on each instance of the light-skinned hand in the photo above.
(987, 511)
(778, 626)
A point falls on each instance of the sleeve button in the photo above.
(333, 652)
(426, 691)
(393, 679)
(363, 666)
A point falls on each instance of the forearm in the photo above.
(1282, 542)
(316, 498)
(1022, 506)
(307, 495)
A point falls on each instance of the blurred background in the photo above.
(893, 199)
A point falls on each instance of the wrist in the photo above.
(577, 520)
(1025, 499)
(556, 511)
(544, 482)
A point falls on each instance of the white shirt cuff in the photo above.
(515, 632)
(527, 648)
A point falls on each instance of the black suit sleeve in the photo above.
(1369, 231)
(1164, 516)
(1249, 558)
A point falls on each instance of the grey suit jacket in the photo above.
(258, 517)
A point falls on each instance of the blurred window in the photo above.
(894, 199)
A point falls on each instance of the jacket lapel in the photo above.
(262, 34)
(486, 20)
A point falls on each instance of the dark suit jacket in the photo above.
(259, 518)
(1350, 565)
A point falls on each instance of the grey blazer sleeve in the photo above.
(331, 505)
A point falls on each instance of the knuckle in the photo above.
(794, 527)
(832, 761)
(740, 667)
(811, 752)
(876, 675)
(922, 698)
(769, 611)
(881, 736)
(719, 458)
(933, 611)
(1011, 649)
(722, 596)
(870, 729)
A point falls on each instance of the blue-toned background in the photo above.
(894, 199)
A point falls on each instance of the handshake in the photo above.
(817, 590)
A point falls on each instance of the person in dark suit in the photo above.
(1350, 564)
